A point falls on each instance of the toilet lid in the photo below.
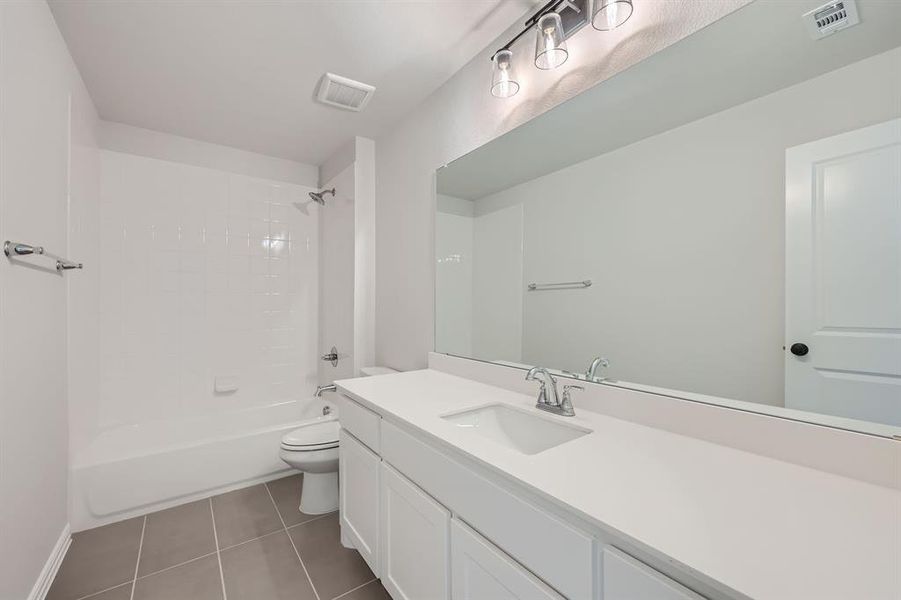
(313, 436)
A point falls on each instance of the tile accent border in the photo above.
(48, 573)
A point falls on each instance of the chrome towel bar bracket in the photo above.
(20, 249)
(16, 249)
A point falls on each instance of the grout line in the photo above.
(355, 589)
(181, 564)
(134, 579)
(316, 518)
(265, 535)
(93, 594)
(259, 537)
(218, 552)
(290, 539)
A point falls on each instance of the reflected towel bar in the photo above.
(559, 286)
(16, 249)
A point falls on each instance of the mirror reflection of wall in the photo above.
(683, 235)
(479, 280)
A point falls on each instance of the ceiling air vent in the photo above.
(830, 18)
(345, 93)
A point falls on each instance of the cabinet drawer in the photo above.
(360, 421)
(626, 578)
(481, 571)
(555, 551)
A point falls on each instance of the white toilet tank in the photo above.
(371, 371)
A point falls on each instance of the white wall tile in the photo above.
(200, 277)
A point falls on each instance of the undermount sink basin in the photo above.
(517, 429)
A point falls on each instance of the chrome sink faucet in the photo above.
(591, 373)
(547, 394)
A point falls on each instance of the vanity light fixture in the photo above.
(609, 14)
(550, 44)
(503, 79)
(554, 23)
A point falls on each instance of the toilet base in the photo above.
(319, 494)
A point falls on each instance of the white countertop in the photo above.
(762, 527)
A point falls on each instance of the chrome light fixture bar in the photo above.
(554, 23)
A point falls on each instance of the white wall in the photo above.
(478, 280)
(347, 299)
(497, 274)
(203, 274)
(364, 253)
(460, 116)
(453, 278)
(43, 106)
(683, 236)
(336, 296)
(153, 144)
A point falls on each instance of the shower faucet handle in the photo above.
(331, 357)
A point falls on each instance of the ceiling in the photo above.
(756, 50)
(243, 73)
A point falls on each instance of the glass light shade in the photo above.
(609, 14)
(550, 45)
(503, 80)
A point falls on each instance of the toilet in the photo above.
(312, 449)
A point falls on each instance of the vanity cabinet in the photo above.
(481, 571)
(415, 541)
(626, 578)
(431, 527)
(359, 471)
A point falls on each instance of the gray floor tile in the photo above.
(286, 493)
(370, 591)
(196, 580)
(333, 568)
(244, 514)
(123, 592)
(98, 559)
(176, 535)
(265, 569)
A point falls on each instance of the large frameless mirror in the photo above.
(721, 222)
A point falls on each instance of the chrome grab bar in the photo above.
(559, 286)
(16, 249)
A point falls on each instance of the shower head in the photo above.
(317, 197)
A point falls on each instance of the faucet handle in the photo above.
(566, 403)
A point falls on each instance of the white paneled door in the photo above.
(843, 275)
(415, 541)
(359, 472)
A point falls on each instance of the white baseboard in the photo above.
(45, 579)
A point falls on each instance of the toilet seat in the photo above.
(321, 435)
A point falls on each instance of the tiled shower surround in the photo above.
(203, 274)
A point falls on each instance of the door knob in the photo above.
(799, 349)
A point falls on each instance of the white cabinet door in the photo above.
(628, 579)
(843, 275)
(359, 476)
(415, 540)
(481, 571)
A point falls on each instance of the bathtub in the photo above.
(141, 468)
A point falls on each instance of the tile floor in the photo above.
(250, 544)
